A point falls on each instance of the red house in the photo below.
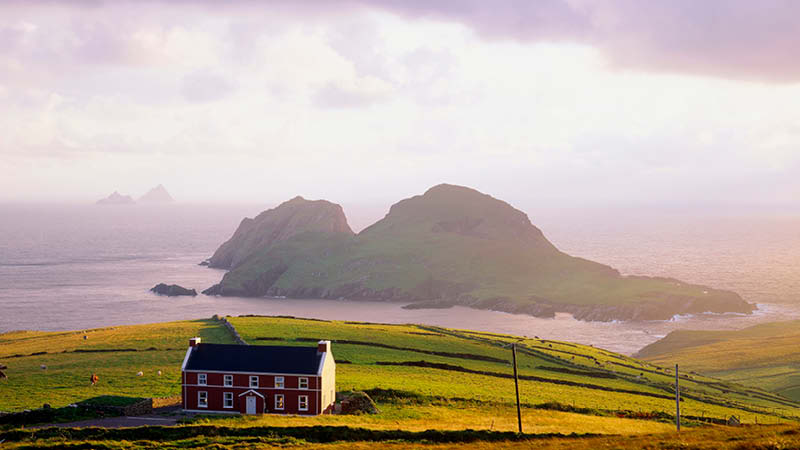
(256, 379)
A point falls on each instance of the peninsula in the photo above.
(450, 246)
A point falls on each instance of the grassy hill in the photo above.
(764, 355)
(405, 367)
(421, 377)
(115, 354)
(451, 245)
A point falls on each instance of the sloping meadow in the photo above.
(446, 364)
(420, 376)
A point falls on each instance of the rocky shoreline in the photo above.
(664, 309)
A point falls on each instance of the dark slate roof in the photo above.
(255, 358)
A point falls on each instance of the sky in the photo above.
(551, 102)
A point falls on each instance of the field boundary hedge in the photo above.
(455, 368)
(314, 434)
(469, 356)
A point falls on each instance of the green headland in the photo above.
(450, 246)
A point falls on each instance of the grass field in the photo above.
(115, 354)
(421, 377)
(763, 437)
(764, 355)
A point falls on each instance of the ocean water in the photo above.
(68, 267)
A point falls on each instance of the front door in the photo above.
(251, 404)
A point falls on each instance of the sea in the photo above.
(75, 267)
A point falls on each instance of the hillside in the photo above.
(431, 385)
(763, 355)
(291, 218)
(451, 245)
(408, 369)
(158, 194)
(116, 199)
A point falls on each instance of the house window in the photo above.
(303, 403)
(279, 383)
(228, 381)
(279, 401)
(202, 399)
(253, 381)
(303, 382)
(201, 379)
(227, 400)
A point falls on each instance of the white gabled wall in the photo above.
(328, 373)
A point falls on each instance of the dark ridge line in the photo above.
(394, 347)
(536, 353)
(583, 373)
(398, 397)
(283, 317)
(667, 387)
(424, 334)
(92, 350)
(317, 434)
(531, 352)
(718, 385)
(454, 368)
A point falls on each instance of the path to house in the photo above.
(118, 422)
(158, 418)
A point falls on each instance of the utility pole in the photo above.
(516, 385)
(677, 401)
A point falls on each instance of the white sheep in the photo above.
(139, 373)
(159, 373)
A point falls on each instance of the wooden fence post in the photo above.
(677, 401)
(516, 385)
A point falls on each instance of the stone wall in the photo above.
(236, 337)
(139, 408)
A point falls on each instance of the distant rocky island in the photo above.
(158, 194)
(116, 199)
(450, 246)
(172, 290)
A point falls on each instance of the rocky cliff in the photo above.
(289, 219)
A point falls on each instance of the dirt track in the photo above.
(118, 422)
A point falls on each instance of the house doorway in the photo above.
(251, 404)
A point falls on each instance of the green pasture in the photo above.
(432, 372)
(764, 356)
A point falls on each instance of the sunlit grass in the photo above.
(472, 388)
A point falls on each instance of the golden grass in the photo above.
(707, 438)
(460, 417)
(168, 335)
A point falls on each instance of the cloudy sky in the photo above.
(539, 102)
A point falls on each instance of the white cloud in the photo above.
(261, 108)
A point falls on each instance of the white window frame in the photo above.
(227, 380)
(301, 382)
(283, 400)
(280, 382)
(253, 381)
(300, 400)
(202, 379)
(225, 397)
(202, 399)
